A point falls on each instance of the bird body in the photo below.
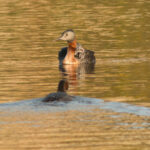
(74, 53)
(60, 95)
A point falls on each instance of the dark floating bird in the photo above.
(61, 94)
(74, 53)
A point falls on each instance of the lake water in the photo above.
(118, 31)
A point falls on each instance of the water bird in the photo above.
(61, 94)
(74, 53)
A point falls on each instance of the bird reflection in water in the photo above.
(76, 71)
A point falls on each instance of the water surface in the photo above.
(82, 123)
(119, 34)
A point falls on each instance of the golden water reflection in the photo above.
(117, 31)
(96, 129)
(119, 34)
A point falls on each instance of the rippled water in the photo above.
(83, 123)
(118, 31)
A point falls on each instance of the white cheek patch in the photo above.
(69, 37)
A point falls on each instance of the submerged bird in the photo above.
(74, 53)
(61, 94)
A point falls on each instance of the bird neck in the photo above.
(60, 89)
(69, 58)
(63, 86)
(72, 44)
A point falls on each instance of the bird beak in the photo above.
(60, 38)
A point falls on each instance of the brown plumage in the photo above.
(74, 53)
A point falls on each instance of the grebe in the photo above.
(74, 53)
(61, 94)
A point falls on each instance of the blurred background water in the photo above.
(118, 31)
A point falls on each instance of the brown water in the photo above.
(119, 33)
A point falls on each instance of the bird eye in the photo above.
(66, 34)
